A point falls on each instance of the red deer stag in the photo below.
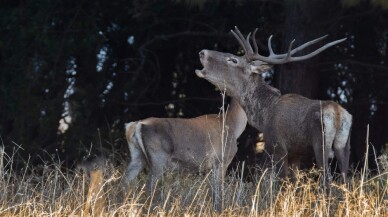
(193, 145)
(292, 124)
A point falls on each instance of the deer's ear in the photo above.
(255, 69)
(259, 67)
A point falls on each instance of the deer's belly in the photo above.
(193, 163)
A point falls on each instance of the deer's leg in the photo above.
(136, 165)
(281, 160)
(342, 151)
(157, 168)
(220, 168)
(318, 152)
(343, 160)
(284, 167)
(322, 154)
(217, 187)
(294, 166)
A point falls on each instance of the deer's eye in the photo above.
(233, 60)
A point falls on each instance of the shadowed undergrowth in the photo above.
(97, 191)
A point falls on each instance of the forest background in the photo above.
(73, 72)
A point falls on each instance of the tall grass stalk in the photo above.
(46, 190)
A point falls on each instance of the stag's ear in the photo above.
(259, 67)
(254, 69)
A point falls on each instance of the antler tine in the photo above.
(239, 40)
(303, 46)
(284, 58)
(289, 50)
(249, 47)
(317, 51)
(289, 58)
(271, 53)
(273, 58)
(256, 50)
(243, 42)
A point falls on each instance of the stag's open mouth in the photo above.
(202, 58)
(200, 73)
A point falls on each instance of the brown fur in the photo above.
(192, 145)
(291, 123)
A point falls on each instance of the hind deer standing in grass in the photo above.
(196, 145)
(295, 127)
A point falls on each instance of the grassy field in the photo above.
(48, 191)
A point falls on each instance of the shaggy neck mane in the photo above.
(257, 98)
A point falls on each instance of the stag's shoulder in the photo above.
(292, 98)
(298, 103)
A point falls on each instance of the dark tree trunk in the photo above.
(304, 20)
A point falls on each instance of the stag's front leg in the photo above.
(280, 160)
(294, 167)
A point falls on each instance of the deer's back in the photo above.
(296, 120)
(196, 141)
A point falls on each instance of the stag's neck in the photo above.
(258, 98)
(236, 119)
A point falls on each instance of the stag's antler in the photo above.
(253, 54)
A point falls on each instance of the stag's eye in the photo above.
(233, 60)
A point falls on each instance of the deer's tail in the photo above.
(134, 137)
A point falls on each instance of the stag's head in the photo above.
(225, 70)
(233, 71)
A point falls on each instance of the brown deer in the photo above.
(195, 145)
(295, 127)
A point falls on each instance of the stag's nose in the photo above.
(202, 54)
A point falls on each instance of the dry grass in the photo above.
(47, 191)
